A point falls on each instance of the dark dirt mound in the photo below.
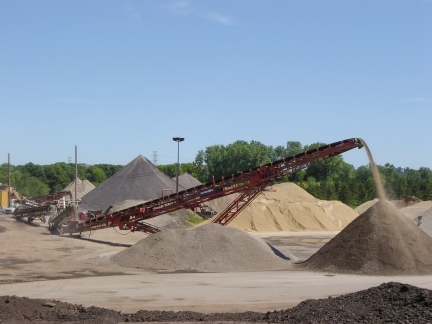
(21, 309)
(407, 201)
(390, 302)
(381, 241)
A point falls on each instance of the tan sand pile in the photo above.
(83, 187)
(366, 205)
(289, 208)
(381, 241)
(211, 247)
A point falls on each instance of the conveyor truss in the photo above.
(249, 183)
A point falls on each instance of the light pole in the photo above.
(178, 140)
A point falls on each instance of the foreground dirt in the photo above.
(391, 302)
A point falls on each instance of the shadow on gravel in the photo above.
(98, 241)
(279, 253)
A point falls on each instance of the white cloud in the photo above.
(184, 8)
(224, 20)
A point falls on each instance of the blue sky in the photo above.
(122, 78)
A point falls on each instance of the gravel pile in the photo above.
(407, 201)
(83, 188)
(381, 241)
(139, 180)
(187, 181)
(210, 247)
(424, 221)
(388, 303)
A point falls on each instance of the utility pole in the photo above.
(178, 140)
(76, 173)
(9, 182)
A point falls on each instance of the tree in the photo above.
(328, 189)
(58, 175)
(426, 189)
(347, 193)
(190, 168)
(31, 187)
(220, 160)
(4, 177)
(293, 147)
(168, 169)
(413, 183)
(276, 153)
(312, 187)
(33, 170)
(328, 167)
(425, 173)
(109, 169)
(95, 175)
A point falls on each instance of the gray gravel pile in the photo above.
(381, 241)
(207, 248)
(424, 221)
(139, 180)
(187, 181)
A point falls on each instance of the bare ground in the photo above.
(36, 264)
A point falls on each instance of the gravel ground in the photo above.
(388, 303)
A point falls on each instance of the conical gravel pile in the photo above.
(381, 241)
(139, 180)
(210, 247)
(187, 181)
(83, 188)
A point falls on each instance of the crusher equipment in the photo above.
(39, 207)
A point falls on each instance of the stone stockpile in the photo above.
(381, 241)
(207, 248)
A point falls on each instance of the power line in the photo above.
(155, 158)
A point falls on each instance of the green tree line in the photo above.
(32, 180)
(332, 179)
